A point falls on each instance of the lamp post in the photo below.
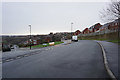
(30, 36)
(71, 29)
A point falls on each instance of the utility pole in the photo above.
(71, 29)
(30, 36)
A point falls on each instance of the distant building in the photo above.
(77, 32)
(48, 38)
(85, 31)
(34, 41)
(91, 29)
(94, 28)
(104, 27)
(97, 27)
(115, 25)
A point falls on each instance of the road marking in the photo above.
(106, 63)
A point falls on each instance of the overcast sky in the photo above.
(46, 17)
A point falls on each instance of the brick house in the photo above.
(104, 27)
(77, 32)
(34, 41)
(91, 29)
(48, 38)
(85, 31)
(115, 25)
(95, 28)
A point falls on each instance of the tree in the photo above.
(112, 12)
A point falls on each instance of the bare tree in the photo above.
(112, 12)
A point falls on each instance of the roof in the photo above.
(78, 31)
(94, 26)
(105, 25)
(85, 29)
(116, 21)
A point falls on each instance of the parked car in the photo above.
(6, 48)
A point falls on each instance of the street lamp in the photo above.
(71, 29)
(30, 36)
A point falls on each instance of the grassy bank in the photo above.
(117, 41)
(47, 44)
(110, 37)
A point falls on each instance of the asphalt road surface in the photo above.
(82, 59)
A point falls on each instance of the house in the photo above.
(77, 32)
(115, 25)
(48, 38)
(34, 41)
(94, 28)
(104, 27)
(91, 29)
(97, 27)
(85, 31)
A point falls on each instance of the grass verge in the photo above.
(113, 41)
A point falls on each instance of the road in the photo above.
(82, 59)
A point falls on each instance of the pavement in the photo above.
(112, 50)
(66, 42)
(82, 59)
(21, 52)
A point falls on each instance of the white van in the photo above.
(74, 38)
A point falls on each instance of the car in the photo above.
(6, 48)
